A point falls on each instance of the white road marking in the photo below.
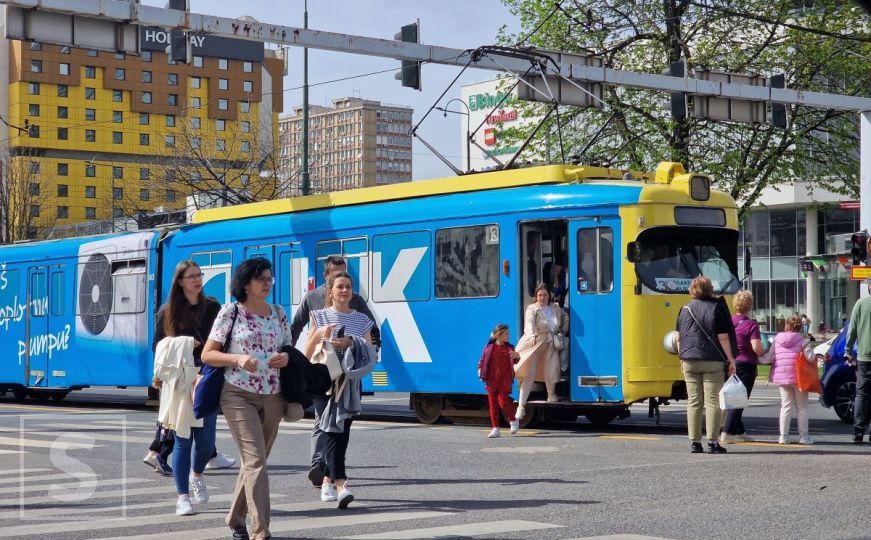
(459, 531)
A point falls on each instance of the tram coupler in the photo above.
(653, 408)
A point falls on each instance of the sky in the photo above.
(449, 23)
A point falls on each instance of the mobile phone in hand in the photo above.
(340, 331)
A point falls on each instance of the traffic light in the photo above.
(859, 248)
(410, 74)
(180, 49)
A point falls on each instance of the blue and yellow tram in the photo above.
(439, 263)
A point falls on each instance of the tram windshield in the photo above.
(668, 258)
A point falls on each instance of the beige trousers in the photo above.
(253, 420)
(704, 380)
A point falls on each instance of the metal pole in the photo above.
(864, 179)
(306, 182)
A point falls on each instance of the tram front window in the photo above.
(670, 257)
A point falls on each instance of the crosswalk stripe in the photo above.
(20, 442)
(167, 503)
(5, 472)
(109, 437)
(290, 525)
(4, 452)
(621, 537)
(138, 521)
(115, 494)
(458, 531)
(100, 483)
(42, 478)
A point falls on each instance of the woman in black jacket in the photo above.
(705, 352)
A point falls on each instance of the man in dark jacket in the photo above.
(313, 301)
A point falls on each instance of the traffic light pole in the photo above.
(306, 180)
(864, 179)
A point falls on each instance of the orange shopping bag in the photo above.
(807, 375)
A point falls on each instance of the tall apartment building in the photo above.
(100, 136)
(354, 143)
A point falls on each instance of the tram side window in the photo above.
(595, 260)
(401, 253)
(467, 262)
(355, 251)
(215, 266)
(57, 293)
(128, 285)
(10, 294)
(38, 294)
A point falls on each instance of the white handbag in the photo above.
(559, 342)
(325, 354)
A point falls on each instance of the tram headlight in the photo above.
(669, 342)
(700, 188)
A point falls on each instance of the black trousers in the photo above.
(164, 441)
(319, 439)
(862, 404)
(335, 448)
(746, 372)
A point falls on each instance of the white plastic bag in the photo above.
(733, 395)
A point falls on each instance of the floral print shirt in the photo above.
(260, 337)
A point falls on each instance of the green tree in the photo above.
(821, 46)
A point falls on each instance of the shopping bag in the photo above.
(807, 376)
(733, 395)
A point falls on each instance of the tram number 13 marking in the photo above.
(492, 234)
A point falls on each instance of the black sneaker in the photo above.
(858, 436)
(316, 475)
(240, 533)
(715, 448)
(162, 466)
(696, 448)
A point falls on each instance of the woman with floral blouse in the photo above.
(250, 399)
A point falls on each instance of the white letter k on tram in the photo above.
(405, 331)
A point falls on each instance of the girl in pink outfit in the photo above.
(496, 369)
(781, 356)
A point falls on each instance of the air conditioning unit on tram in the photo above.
(111, 288)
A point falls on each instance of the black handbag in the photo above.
(207, 395)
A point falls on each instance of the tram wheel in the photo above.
(19, 393)
(601, 418)
(427, 407)
(59, 396)
(531, 418)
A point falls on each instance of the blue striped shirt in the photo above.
(355, 323)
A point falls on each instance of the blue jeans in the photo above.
(203, 439)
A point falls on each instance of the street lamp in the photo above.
(468, 115)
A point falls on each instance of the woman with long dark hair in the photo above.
(189, 312)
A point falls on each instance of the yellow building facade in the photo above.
(108, 136)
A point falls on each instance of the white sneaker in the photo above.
(744, 437)
(345, 497)
(328, 492)
(515, 425)
(725, 438)
(521, 412)
(184, 507)
(805, 439)
(494, 433)
(220, 462)
(784, 439)
(201, 495)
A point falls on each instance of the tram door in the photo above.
(594, 300)
(37, 328)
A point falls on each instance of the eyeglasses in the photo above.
(265, 280)
(194, 277)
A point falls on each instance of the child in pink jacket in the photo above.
(782, 356)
